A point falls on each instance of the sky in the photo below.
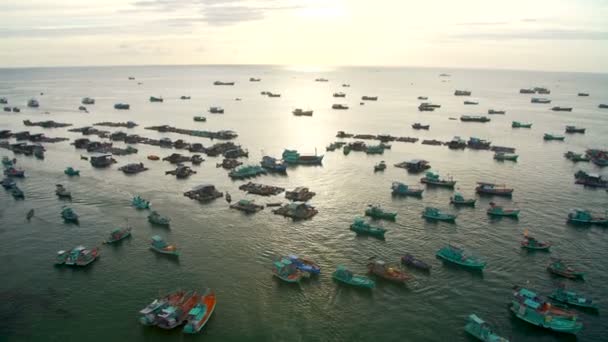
(509, 34)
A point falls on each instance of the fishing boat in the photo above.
(505, 156)
(474, 118)
(572, 298)
(541, 100)
(561, 268)
(118, 234)
(305, 264)
(414, 165)
(78, 256)
(580, 216)
(216, 110)
(33, 103)
(273, 165)
(88, 101)
(497, 210)
(247, 206)
(375, 149)
(462, 93)
(200, 119)
(360, 227)
(156, 99)
(369, 98)
(14, 172)
(200, 314)
(297, 211)
(493, 111)
(529, 307)
(458, 199)
(432, 178)
(460, 257)
(101, 161)
(484, 188)
(221, 83)
(175, 315)
(517, 124)
(62, 192)
(400, 189)
(343, 275)
(410, 260)
(140, 203)
(561, 109)
(549, 136)
(133, 168)
(287, 271)
(532, 243)
(294, 157)
(70, 171)
(589, 179)
(149, 312)
(159, 245)
(122, 106)
(158, 219)
(574, 129)
(69, 215)
(300, 194)
(381, 166)
(457, 143)
(247, 171)
(576, 157)
(435, 214)
(8, 183)
(381, 269)
(418, 125)
(16, 192)
(481, 330)
(6, 162)
(300, 112)
(375, 211)
(471, 103)
(30, 214)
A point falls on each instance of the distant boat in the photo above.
(471, 102)
(583, 94)
(492, 111)
(561, 109)
(462, 93)
(156, 99)
(216, 110)
(122, 106)
(540, 100)
(220, 83)
(253, 79)
(300, 112)
(33, 103)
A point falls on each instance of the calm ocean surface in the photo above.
(232, 252)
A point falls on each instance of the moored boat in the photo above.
(458, 199)
(70, 171)
(574, 129)
(418, 125)
(148, 313)
(381, 166)
(200, 119)
(158, 219)
(460, 257)
(286, 270)
(200, 313)
(12, 171)
(561, 268)
(301, 112)
(435, 214)
(517, 124)
(400, 189)
(497, 210)
(69, 215)
(78, 256)
(561, 109)
(549, 136)
(247, 206)
(432, 178)
(572, 298)
(580, 216)
(139, 203)
(118, 234)
(576, 157)
(474, 118)
(305, 264)
(300, 194)
(62, 192)
(375, 211)
(391, 273)
(360, 227)
(493, 111)
(506, 156)
(481, 330)
(493, 189)
(414, 165)
(410, 260)
(273, 165)
(159, 245)
(343, 275)
(294, 157)
(532, 243)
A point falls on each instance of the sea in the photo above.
(232, 252)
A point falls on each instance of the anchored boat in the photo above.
(200, 314)
(532, 243)
(359, 226)
(381, 166)
(287, 271)
(118, 234)
(159, 245)
(400, 189)
(79, 256)
(506, 156)
(140, 203)
(579, 216)
(247, 206)
(435, 214)
(549, 136)
(561, 268)
(432, 178)
(305, 264)
(410, 260)
(159, 220)
(381, 269)
(493, 189)
(481, 330)
(517, 124)
(343, 275)
(497, 210)
(458, 199)
(460, 257)
(573, 298)
(69, 215)
(375, 211)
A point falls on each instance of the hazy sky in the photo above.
(519, 34)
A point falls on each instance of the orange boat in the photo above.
(200, 314)
(153, 157)
(380, 269)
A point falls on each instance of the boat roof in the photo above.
(527, 293)
(195, 311)
(531, 303)
(476, 319)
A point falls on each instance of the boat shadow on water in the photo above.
(174, 259)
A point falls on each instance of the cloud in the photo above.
(546, 34)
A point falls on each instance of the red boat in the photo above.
(380, 269)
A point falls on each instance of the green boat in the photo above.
(435, 214)
(342, 274)
(432, 178)
(460, 257)
(573, 298)
(69, 215)
(159, 245)
(70, 171)
(287, 271)
(200, 119)
(247, 172)
(576, 157)
(360, 227)
(377, 212)
(579, 216)
(346, 150)
(506, 156)
(380, 166)
(481, 330)
(529, 307)
(140, 203)
(532, 243)
(517, 124)
(549, 136)
(118, 234)
(496, 210)
(17, 193)
(561, 268)
(458, 199)
(377, 149)
(400, 189)
(159, 220)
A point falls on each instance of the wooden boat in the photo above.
(574, 129)
(560, 268)
(69, 215)
(493, 189)
(118, 234)
(410, 260)
(505, 156)
(382, 270)
(496, 210)
(305, 264)
(549, 136)
(153, 157)
(529, 307)
(300, 194)
(481, 330)
(400, 189)
(16, 192)
(435, 214)
(247, 206)
(159, 245)
(287, 271)
(175, 315)
(140, 203)
(459, 256)
(343, 275)
(432, 178)
(157, 219)
(359, 226)
(78, 256)
(294, 157)
(532, 243)
(200, 314)
(62, 192)
(458, 199)
(70, 171)
(561, 109)
(474, 118)
(414, 165)
(517, 124)
(30, 214)
(300, 112)
(494, 111)
(8, 183)
(377, 212)
(579, 216)
(14, 172)
(380, 166)
(572, 298)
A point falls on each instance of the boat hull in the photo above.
(573, 329)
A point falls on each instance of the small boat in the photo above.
(381, 166)
(156, 99)
(159, 245)
(153, 157)
(133, 168)
(400, 189)
(375, 211)
(339, 106)
(294, 157)
(496, 210)
(184, 97)
(273, 165)
(228, 197)
(78, 256)
(88, 101)
(305, 264)
(505, 156)
(576, 157)
(6, 162)
(253, 79)
(8, 183)
(462, 93)
(300, 112)
(175, 315)
(200, 119)
(159, 220)
(549, 136)
(580, 216)
(432, 178)
(460, 257)
(216, 110)
(118, 234)
(574, 129)
(33, 103)
(484, 188)
(381, 269)
(583, 94)
(29, 215)
(62, 192)
(573, 298)
(340, 94)
(122, 106)
(156, 305)
(70, 171)
(414, 165)
(602, 105)
(540, 100)
(140, 203)
(69, 215)
(247, 171)
(457, 143)
(300, 194)
(493, 111)
(247, 206)
(532, 243)
(527, 91)
(342, 274)
(481, 330)
(287, 271)
(16, 192)
(418, 125)
(14, 172)
(529, 307)
(200, 314)
(517, 124)
(474, 118)
(458, 199)
(360, 227)
(561, 109)
(471, 103)
(369, 98)
(435, 214)
(560, 268)
(423, 97)
(220, 83)
(410, 260)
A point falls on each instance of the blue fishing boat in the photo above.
(305, 265)
(140, 203)
(460, 257)
(294, 157)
